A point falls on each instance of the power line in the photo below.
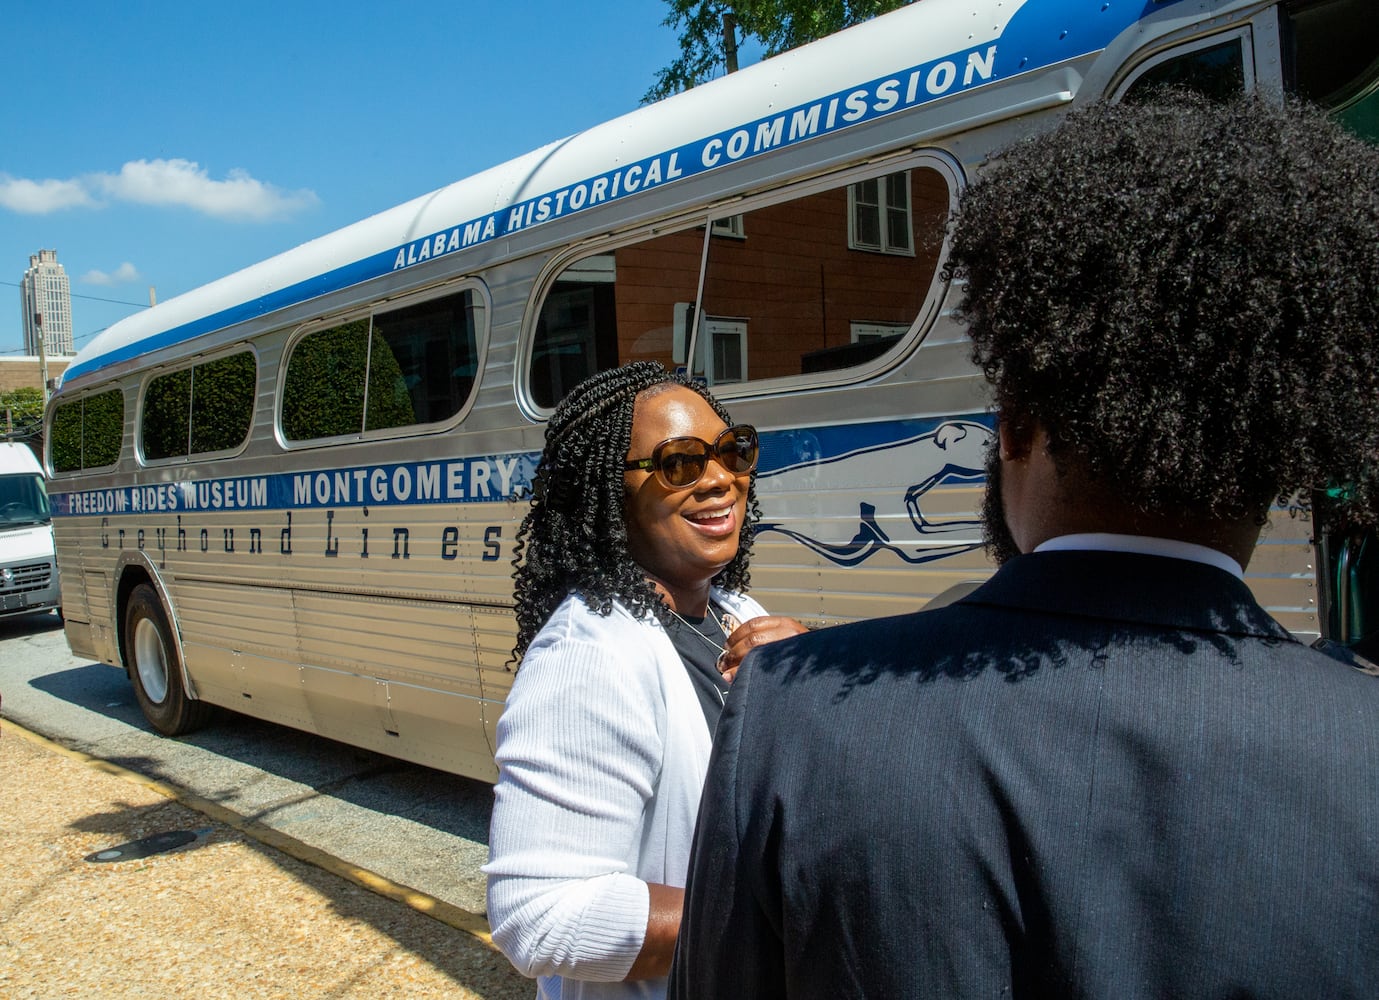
(75, 340)
(86, 336)
(93, 298)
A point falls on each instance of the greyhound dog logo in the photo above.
(890, 518)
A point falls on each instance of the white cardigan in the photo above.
(602, 753)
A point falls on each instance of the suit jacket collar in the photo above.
(1129, 587)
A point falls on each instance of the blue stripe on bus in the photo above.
(452, 480)
(482, 479)
(303, 291)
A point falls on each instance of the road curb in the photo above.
(473, 924)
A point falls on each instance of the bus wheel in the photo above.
(154, 667)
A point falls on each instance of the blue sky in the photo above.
(167, 144)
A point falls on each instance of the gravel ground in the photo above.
(225, 915)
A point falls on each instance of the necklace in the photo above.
(721, 623)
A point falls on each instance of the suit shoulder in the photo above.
(1342, 654)
(924, 622)
(892, 640)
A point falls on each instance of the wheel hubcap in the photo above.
(151, 661)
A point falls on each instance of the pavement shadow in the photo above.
(12, 626)
(446, 802)
(95, 687)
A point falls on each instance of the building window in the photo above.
(866, 333)
(722, 350)
(879, 215)
(730, 226)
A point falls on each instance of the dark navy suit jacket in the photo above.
(1099, 775)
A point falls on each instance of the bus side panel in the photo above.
(239, 645)
(104, 633)
(82, 546)
(877, 510)
(357, 626)
(1282, 573)
(76, 612)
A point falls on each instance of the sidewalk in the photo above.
(228, 914)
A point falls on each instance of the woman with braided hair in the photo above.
(631, 568)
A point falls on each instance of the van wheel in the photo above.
(151, 658)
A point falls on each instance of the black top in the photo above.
(699, 646)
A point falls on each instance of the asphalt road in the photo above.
(419, 828)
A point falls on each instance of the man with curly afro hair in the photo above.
(1107, 772)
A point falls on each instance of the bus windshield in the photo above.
(1337, 66)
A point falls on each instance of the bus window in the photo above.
(64, 440)
(611, 308)
(323, 392)
(102, 429)
(819, 283)
(1216, 70)
(222, 403)
(163, 427)
(199, 410)
(87, 432)
(412, 366)
(1335, 65)
(824, 282)
(423, 362)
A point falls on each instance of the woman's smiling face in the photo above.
(682, 538)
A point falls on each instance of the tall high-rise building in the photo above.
(46, 292)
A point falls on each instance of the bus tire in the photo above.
(156, 669)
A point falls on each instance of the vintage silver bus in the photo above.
(294, 492)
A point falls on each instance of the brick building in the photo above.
(16, 373)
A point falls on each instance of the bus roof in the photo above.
(916, 55)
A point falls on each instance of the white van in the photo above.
(28, 564)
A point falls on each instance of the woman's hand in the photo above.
(749, 635)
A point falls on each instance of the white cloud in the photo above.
(187, 184)
(41, 197)
(168, 183)
(122, 275)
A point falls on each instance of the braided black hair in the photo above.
(574, 537)
(1185, 294)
